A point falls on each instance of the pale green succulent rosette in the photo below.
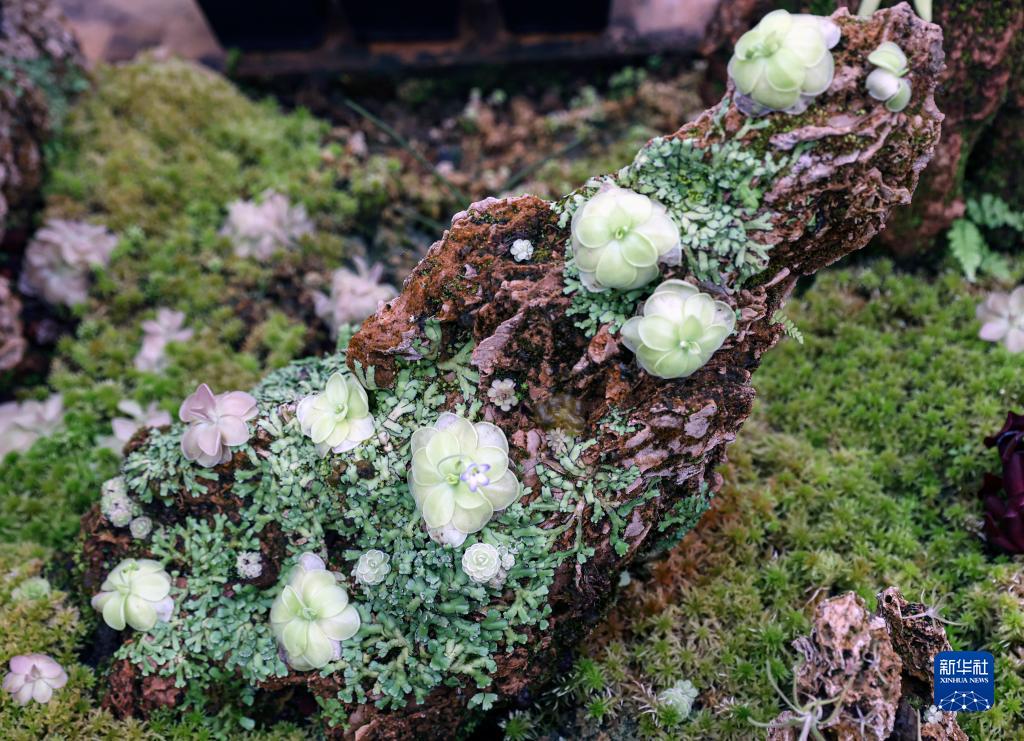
(887, 82)
(784, 62)
(135, 593)
(338, 419)
(618, 238)
(678, 331)
(890, 56)
(460, 474)
(312, 615)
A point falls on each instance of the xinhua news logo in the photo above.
(965, 681)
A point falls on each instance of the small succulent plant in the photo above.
(261, 229)
(483, 563)
(372, 567)
(33, 677)
(312, 615)
(680, 697)
(136, 593)
(60, 258)
(1003, 496)
(31, 589)
(679, 330)
(887, 82)
(168, 326)
(1002, 318)
(338, 418)
(115, 504)
(522, 250)
(215, 424)
(140, 527)
(618, 238)
(459, 475)
(354, 295)
(249, 564)
(502, 393)
(22, 423)
(136, 418)
(783, 63)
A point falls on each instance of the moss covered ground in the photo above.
(859, 469)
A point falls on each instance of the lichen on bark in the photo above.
(615, 461)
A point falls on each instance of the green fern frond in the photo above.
(992, 212)
(968, 246)
(788, 326)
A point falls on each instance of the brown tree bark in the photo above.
(855, 162)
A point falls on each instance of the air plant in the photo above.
(783, 63)
(354, 295)
(60, 258)
(260, 229)
(167, 326)
(618, 238)
(22, 423)
(808, 716)
(678, 331)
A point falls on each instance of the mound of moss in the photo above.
(860, 470)
(156, 153)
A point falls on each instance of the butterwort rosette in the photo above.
(312, 615)
(460, 473)
(783, 62)
(678, 331)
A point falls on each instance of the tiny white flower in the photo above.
(522, 250)
(249, 564)
(502, 393)
(932, 715)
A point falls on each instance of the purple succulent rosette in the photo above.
(1004, 496)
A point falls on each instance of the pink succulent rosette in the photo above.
(1002, 318)
(34, 677)
(216, 423)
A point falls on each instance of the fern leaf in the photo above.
(788, 326)
(967, 246)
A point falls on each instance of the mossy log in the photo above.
(848, 163)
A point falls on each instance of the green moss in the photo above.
(858, 470)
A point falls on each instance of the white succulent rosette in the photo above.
(460, 474)
(1002, 318)
(481, 562)
(680, 697)
(337, 419)
(372, 567)
(678, 331)
(619, 237)
(135, 593)
(783, 63)
(887, 83)
(312, 616)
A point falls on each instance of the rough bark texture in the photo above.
(868, 667)
(979, 93)
(835, 200)
(859, 162)
(38, 59)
